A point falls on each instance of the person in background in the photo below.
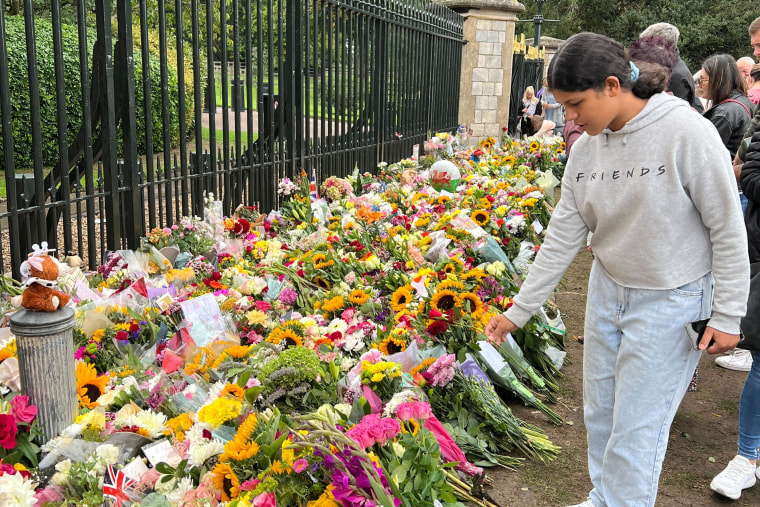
(739, 359)
(754, 85)
(530, 105)
(681, 81)
(731, 110)
(670, 248)
(745, 64)
(742, 472)
(548, 102)
(698, 90)
(571, 133)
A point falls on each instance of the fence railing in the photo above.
(112, 128)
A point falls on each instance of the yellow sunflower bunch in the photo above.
(402, 297)
(423, 366)
(395, 342)
(290, 334)
(358, 296)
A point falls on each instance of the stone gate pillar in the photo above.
(486, 75)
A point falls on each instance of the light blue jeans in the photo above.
(637, 363)
(749, 412)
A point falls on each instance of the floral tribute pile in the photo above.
(330, 353)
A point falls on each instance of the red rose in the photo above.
(121, 336)
(8, 431)
(133, 327)
(437, 327)
(22, 410)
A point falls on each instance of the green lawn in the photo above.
(220, 134)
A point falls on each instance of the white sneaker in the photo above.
(739, 360)
(587, 503)
(738, 475)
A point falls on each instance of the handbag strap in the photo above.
(745, 107)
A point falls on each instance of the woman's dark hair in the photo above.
(655, 57)
(723, 78)
(587, 59)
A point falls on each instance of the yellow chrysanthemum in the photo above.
(220, 411)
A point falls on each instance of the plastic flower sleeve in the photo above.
(491, 252)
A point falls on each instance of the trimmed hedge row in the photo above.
(20, 95)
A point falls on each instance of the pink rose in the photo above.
(22, 410)
(390, 427)
(8, 431)
(266, 499)
(263, 306)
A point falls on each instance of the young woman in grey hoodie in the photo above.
(652, 180)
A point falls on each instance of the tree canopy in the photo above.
(706, 27)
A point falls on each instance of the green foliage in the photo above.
(19, 87)
(706, 27)
(21, 104)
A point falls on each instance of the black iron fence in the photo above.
(119, 122)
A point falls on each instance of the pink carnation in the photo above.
(266, 499)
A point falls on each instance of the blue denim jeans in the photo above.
(749, 412)
(637, 363)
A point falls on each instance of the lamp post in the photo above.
(537, 21)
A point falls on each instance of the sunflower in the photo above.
(410, 426)
(233, 390)
(247, 428)
(391, 345)
(334, 304)
(237, 351)
(226, 481)
(240, 451)
(480, 217)
(424, 365)
(562, 145)
(476, 273)
(327, 264)
(284, 334)
(321, 282)
(450, 268)
(450, 284)
(90, 387)
(278, 468)
(318, 258)
(476, 305)
(534, 146)
(444, 300)
(401, 298)
(358, 297)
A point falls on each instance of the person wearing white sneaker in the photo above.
(670, 248)
(738, 475)
(738, 360)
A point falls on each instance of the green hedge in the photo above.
(20, 103)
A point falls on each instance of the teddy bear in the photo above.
(40, 292)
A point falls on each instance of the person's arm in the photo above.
(565, 235)
(722, 125)
(750, 174)
(748, 133)
(708, 179)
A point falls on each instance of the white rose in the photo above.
(108, 453)
(63, 467)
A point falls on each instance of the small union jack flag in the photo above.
(313, 186)
(116, 487)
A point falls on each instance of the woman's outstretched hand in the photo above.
(498, 328)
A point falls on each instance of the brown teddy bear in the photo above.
(40, 292)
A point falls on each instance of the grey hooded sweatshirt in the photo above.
(660, 197)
